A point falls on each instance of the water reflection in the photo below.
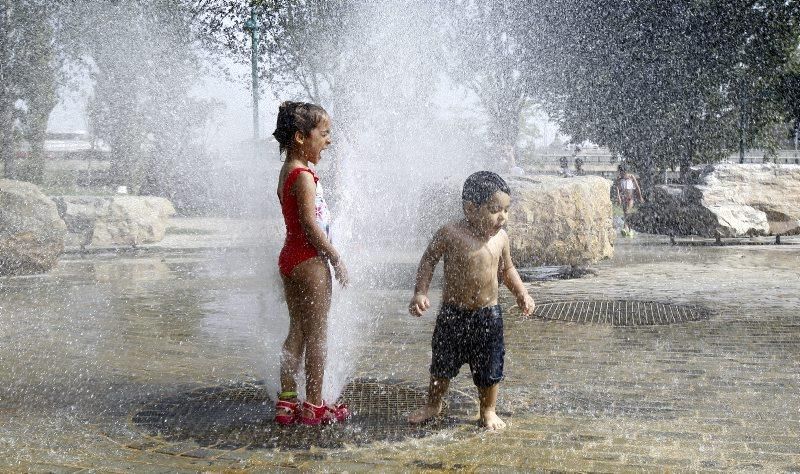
(85, 346)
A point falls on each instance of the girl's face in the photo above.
(317, 140)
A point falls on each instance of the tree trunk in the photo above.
(36, 131)
(7, 140)
(686, 163)
(648, 179)
(504, 131)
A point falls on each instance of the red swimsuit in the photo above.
(297, 249)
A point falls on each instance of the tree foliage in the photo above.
(301, 42)
(36, 43)
(483, 52)
(144, 64)
(662, 83)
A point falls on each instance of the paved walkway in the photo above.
(109, 334)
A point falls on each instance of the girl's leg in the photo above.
(313, 301)
(627, 200)
(294, 344)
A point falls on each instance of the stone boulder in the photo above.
(553, 220)
(560, 221)
(31, 231)
(111, 221)
(730, 200)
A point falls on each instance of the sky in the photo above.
(232, 124)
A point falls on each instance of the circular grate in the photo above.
(620, 312)
(236, 416)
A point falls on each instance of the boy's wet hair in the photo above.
(294, 117)
(481, 186)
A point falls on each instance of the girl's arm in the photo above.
(305, 190)
(513, 281)
(436, 248)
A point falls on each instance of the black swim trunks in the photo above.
(473, 337)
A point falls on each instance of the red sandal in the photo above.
(291, 412)
(323, 414)
(340, 412)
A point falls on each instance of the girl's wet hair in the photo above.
(481, 186)
(296, 117)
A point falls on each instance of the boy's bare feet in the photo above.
(491, 421)
(424, 414)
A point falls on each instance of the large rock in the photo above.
(553, 220)
(560, 221)
(110, 221)
(730, 200)
(31, 231)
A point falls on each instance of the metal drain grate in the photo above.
(237, 416)
(620, 312)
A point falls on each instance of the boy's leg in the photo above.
(445, 361)
(487, 363)
(488, 397)
(436, 391)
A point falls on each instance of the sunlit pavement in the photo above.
(87, 345)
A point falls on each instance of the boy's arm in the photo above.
(513, 281)
(419, 302)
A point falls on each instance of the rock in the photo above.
(729, 200)
(553, 220)
(560, 221)
(109, 221)
(31, 231)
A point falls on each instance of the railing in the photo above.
(605, 158)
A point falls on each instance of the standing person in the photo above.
(564, 170)
(579, 167)
(469, 327)
(627, 190)
(302, 132)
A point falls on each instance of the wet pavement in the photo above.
(88, 346)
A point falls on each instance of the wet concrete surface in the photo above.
(86, 346)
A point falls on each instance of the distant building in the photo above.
(79, 145)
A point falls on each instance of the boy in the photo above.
(469, 327)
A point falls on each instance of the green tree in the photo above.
(34, 47)
(373, 65)
(483, 52)
(39, 91)
(790, 91)
(302, 42)
(662, 83)
(144, 65)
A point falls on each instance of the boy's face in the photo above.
(488, 218)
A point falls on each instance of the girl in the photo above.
(627, 190)
(302, 132)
